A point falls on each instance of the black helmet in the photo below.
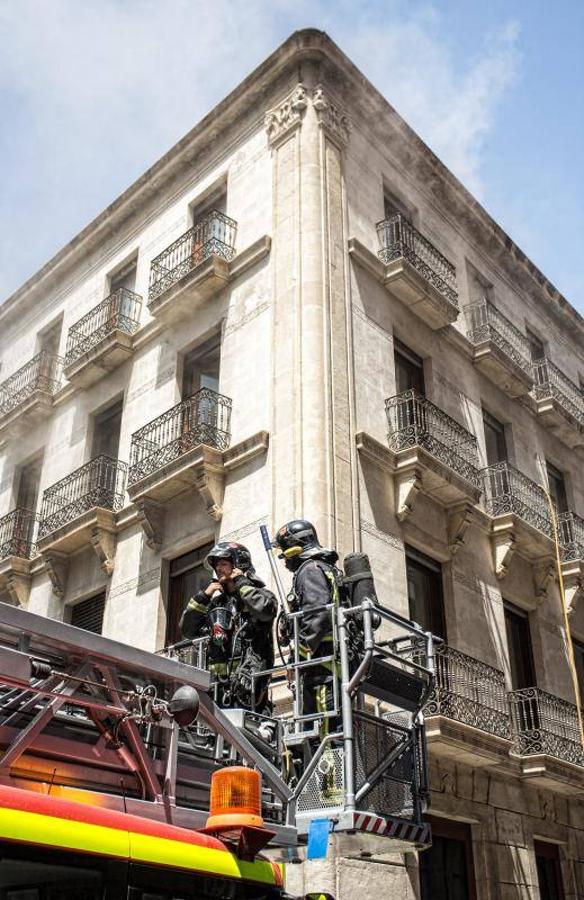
(295, 538)
(236, 553)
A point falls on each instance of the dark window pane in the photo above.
(409, 369)
(537, 348)
(446, 869)
(187, 576)
(495, 443)
(426, 602)
(557, 487)
(106, 431)
(36, 874)
(89, 614)
(28, 485)
(579, 656)
(201, 369)
(520, 650)
(549, 875)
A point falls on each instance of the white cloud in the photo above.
(96, 91)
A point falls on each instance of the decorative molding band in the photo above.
(245, 530)
(330, 116)
(383, 536)
(287, 116)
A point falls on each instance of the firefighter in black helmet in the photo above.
(316, 584)
(238, 612)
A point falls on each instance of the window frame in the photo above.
(437, 609)
(452, 830)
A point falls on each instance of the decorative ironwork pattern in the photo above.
(42, 374)
(469, 691)
(543, 723)
(549, 381)
(484, 322)
(414, 421)
(98, 484)
(120, 311)
(399, 239)
(509, 491)
(213, 235)
(16, 534)
(203, 418)
(571, 535)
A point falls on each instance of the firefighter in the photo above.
(253, 609)
(316, 584)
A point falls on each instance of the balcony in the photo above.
(193, 268)
(546, 730)
(102, 340)
(417, 273)
(430, 452)
(27, 396)
(521, 521)
(79, 511)
(559, 403)
(467, 714)
(571, 537)
(500, 350)
(16, 550)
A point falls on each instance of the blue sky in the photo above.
(92, 93)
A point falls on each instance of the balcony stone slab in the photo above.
(553, 774)
(509, 533)
(465, 744)
(499, 368)
(35, 409)
(201, 468)
(106, 356)
(555, 416)
(15, 578)
(95, 528)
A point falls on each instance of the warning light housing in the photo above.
(236, 798)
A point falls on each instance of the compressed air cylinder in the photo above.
(359, 578)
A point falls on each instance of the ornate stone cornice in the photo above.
(284, 118)
(330, 115)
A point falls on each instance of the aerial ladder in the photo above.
(88, 718)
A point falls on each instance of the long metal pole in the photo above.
(346, 712)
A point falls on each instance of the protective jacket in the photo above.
(196, 623)
(315, 585)
(256, 610)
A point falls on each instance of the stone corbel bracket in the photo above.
(573, 581)
(57, 565)
(503, 543)
(331, 117)
(210, 481)
(103, 539)
(407, 479)
(544, 571)
(151, 517)
(15, 578)
(459, 520)
(281, 120)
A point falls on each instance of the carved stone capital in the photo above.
(573, 581)
(18, 587)
(284, 118)
(210, 482)
(544, 571)
(330, 116)
(503, 547)
(104, 543)
(57, 565)
(459, 519)
(151, 517)
(407, 485)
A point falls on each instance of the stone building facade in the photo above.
(300, 310)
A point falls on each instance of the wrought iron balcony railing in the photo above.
(213, 235)
(414, 421)
(120, 311)
(543, 723)
(484, 322)
(571, 535)
(100, 483)
(509, 491)
(549, 381)
(399, 239)
(42, 374)
(203, 418)
(17, 533)
(469, 691)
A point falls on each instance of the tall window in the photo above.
(426, 601)
(579, 658)
(495, 443)
(557, 487)
(124, 277)
(409, 369)
(50, 338)
(28, 485)
(106, 431)
(549, 873)
(89, 614)
(537, 349)
(520, 649)
(187, 576)
(201, 368)
(446, 868)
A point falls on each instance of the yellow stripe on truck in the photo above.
(20, 826)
